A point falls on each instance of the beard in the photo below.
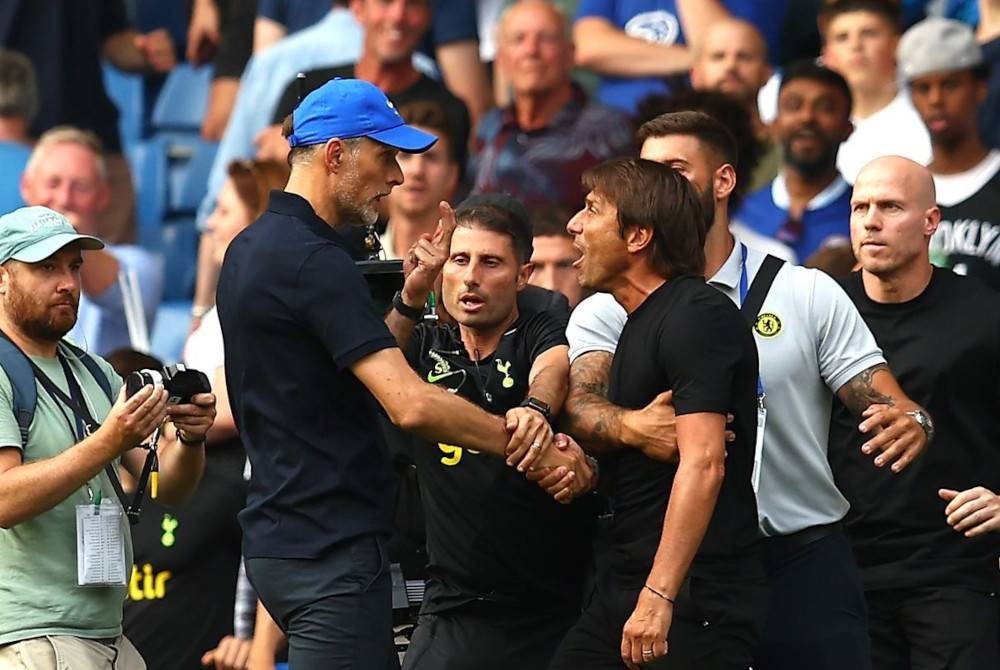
(38, 322)
(810, 166)
(350, 203)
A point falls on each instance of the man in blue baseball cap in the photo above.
(308, 362)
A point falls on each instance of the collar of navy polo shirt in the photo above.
(564, 118)
(728, 275)
(779, 193)
(295, 206)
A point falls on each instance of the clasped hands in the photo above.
(553, 460)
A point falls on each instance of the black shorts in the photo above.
(461, 641)
(715, 626)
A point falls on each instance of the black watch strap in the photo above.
(538, 406)
(411, 313)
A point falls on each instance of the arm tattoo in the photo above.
(858, 393)
(590, 417)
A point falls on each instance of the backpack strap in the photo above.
(22, 382)
(95, 370)
(759, 287)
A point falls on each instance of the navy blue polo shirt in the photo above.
(296, 314)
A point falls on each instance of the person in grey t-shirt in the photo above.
(812, 344)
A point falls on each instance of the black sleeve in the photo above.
(236, 43)
(113, 18)
(701, 348)
(417, 345)
(314, 79)
(542, 331)
(276, 10)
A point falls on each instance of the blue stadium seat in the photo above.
(179, 247)
(150, 177)
(181, 104)
(128, 93)
(170, 330)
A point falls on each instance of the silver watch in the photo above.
(925, 421)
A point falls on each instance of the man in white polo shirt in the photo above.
(812, 344)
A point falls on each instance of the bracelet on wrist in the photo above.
(657, 593)
(198, 311)
(410, 312)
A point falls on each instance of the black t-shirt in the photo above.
(968, 236)
(183, 583)
(63, 40)
(689, 338)
(425, 89)
(296, 314)
(944, 348)
(494, 539)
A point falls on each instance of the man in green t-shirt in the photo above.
(63, 542)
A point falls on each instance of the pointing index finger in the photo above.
(446, 226)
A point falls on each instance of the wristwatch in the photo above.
(538, 406)
(411, 313)
(925, 421)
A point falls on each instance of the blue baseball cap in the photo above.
(32, 234)
(349, 108)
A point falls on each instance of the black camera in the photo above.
(181, 383)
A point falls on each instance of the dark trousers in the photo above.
(335, 610)
(715, 627)
(462, 641)
(934, 628)
(816, 614)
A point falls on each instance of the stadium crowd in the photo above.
(500, 334)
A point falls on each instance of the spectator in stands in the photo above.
(807, 206)
(18, 107)
(931, 591)
(391, 34)
(221, 32)
(732, 59)
(537, 148)
(859, 42)
(553, 254)
(121, 284)
(428, 178)
(944, 67)
(638, 46)
(77, 35)
(185, 556)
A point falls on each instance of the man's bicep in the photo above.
(701, 435)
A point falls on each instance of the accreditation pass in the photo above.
(100, 544)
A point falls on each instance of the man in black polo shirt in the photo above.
(930, 588)
(683, 541)
(309, 362)
(505, 567)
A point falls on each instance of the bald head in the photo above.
(894, 213)
(915, 179)
(534, 49)
(732, 58)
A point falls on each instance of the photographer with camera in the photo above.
(61, 434)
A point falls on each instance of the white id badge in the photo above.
(758, 449)
(100, 545)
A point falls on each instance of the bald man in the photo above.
(537, 148)
(930, 588)
(732, 59)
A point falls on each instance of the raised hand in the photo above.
(424, 261)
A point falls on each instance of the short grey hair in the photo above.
(69, 135)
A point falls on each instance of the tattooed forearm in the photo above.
(861, 391)
(588, 416)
